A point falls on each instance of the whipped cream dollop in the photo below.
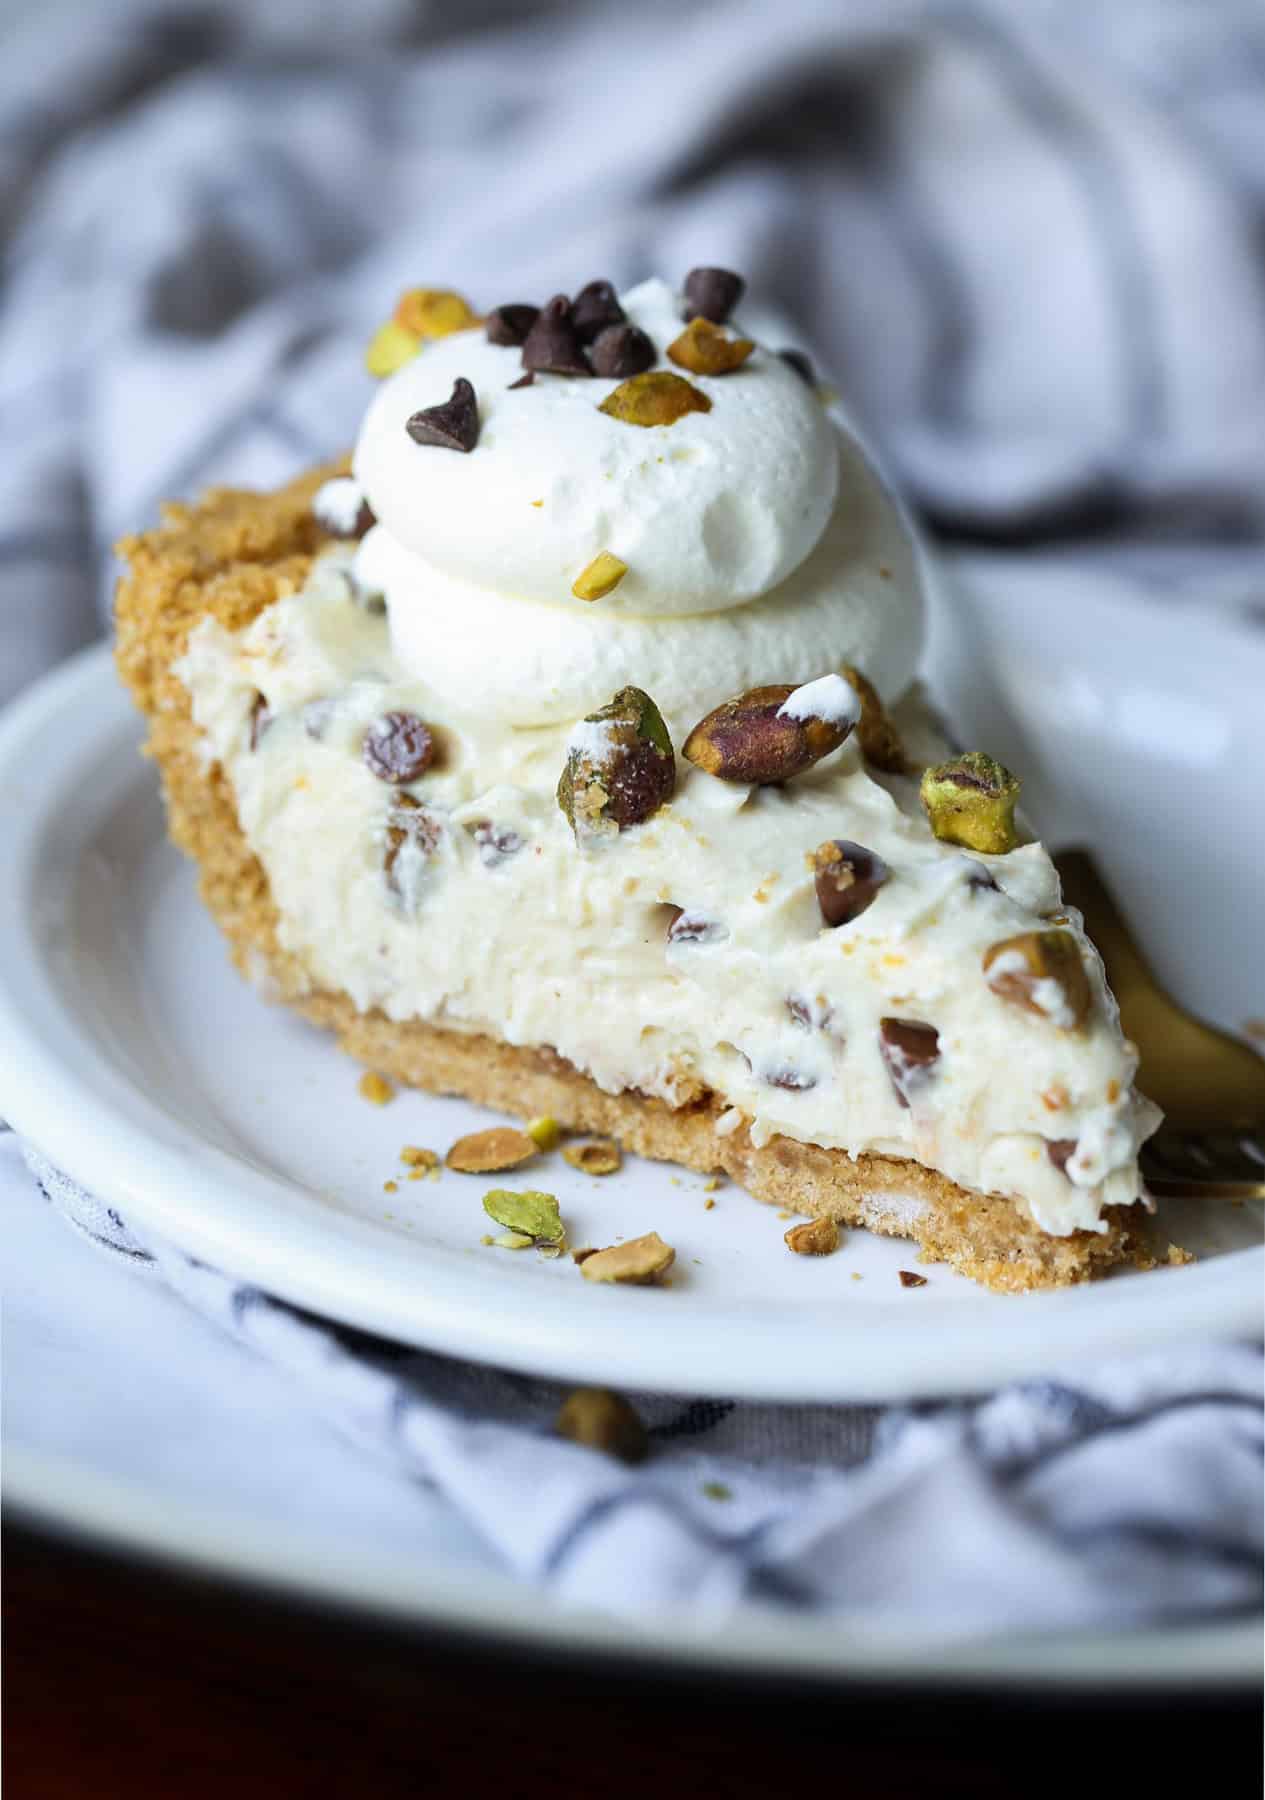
(708, 513)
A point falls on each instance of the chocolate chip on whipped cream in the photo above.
(496, 843)
(398, 747)
(655, 398)
(454, 425)
(769, 734)
(622, 350)
(910, 1049)
(522, 382)
(847, 878)
(619, 769)
(509, 325)
(1042, 971)
(704, 349)
(594, 308)
(696, 928)
(553, 345)
(413, 835)
(340, 508)
(1060, 1151)
(970, 800)
(802, 365)
(712, 294)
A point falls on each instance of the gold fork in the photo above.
(1211, 1087)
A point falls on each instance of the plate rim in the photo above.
(511, 1613)
(75, 1124)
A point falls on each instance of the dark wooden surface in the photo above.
(124, 1677)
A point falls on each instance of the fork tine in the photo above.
(1213, 1166)
(1173, 1155)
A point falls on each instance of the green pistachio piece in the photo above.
(532, 1214)
(970, 800)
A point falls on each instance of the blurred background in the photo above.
(1026, 240)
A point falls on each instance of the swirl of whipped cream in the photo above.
(856, 598)
(708, 513)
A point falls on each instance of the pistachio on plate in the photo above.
(1043, 972)
(619, 769)
(970, 800)
(639, 1263)
(769, 734)
(815, 1237)
(488, 1152)
(532, 1214)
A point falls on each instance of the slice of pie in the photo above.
(566, 754)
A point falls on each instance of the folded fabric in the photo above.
(1125, 1499)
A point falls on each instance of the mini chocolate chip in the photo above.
(552, 345)
(1059, 1150)
(909, 1279)
(979, 880)
(795, 1081)
(802, 365)
(593, 309)
(712, 294)
(510, 324)
(810, 1015)
(622, 350)
(316, 717)
(452, 426)
(523, 381)
(496, 842)
(409, 823)
(332, 508)
(910, 1049)
(847, 877)
(260, 720)
(398, 747)
(696, 928)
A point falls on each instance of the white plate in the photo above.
(134, 1057)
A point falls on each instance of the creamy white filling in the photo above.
(484, 915)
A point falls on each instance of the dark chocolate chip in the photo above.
(317, 715)
(696, 928)
(260, 720)
(523, 381)
(810, 1015)
(408, 822)
(1059, 1150)
(510, 324)
(334, 520)
(802, 365)
(847, 878)
(712, 294)
(553, 345)
(795, 1081)
(909, 1279)
(452, 426)
(622, 350)
(593, 309)
(398, 747)
(496, 842)
(910, 1049)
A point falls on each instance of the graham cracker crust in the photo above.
(234, 554)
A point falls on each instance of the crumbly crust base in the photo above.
(234, 554)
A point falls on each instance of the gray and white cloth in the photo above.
(1029, 244)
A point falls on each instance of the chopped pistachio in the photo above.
(815, 1237)
(754, 738)
(600, 577)
(594, 1158)
(390, 347)
(544, 1132)
(878, 737)
(970, 800)
(534, 1214)
(603, 1421)
(375, 1088)
(704, 349)
(639, 1262)
(655, 398)
(487, 1152)
(434, 312)
(1043, 972)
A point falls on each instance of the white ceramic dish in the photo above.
(134, 1057)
